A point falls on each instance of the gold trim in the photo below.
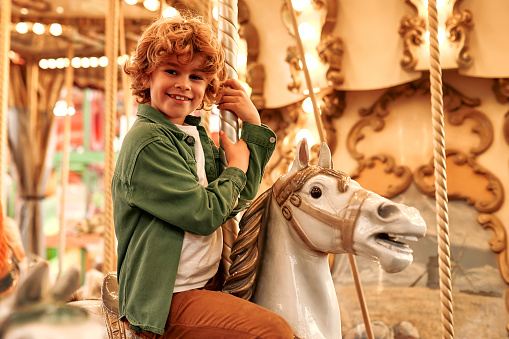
(330, 50)
(423, 177)
(412, 31)
(391, 187)
(292, 58)
(498, 245)
(255, 71)
(457, 26)
(483, 128)
(501, 90)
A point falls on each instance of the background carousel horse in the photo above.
(280, 256)
(37, 310)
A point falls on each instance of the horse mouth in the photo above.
(393, 241)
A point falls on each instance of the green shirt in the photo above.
(156, 197)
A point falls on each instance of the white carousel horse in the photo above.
(280, 256)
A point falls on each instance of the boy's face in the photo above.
(177, 90)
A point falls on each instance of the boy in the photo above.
(170, 197)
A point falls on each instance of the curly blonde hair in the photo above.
(186, 38)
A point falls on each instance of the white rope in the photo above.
(444, 254)
(321, 131)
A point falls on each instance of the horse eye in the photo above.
(316, 192)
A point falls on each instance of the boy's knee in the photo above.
(278, 327)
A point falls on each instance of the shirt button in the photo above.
(272, 140)
(190, 140)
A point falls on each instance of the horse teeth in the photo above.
(406, 237)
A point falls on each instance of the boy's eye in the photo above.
(171, 71)
(196, 77)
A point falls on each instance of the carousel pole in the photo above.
(321, 132)
(64, 176)
(229, 36)
(228, 121)
(111, 84)
(5, 42)
(125, 79)
(442, 214)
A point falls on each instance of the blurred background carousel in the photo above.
(66, 106)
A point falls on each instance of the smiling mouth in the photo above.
(178, 97)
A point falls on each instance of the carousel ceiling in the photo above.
(82, 23)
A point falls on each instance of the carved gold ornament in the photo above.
(457, 26)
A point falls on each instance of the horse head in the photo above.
(334, 214)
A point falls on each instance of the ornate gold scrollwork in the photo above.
(483, 128)
(501, 89)
(467, 181)
(288, 120)
(292, 58)
(455, 103)
(332, 107)
(498, 244)
(285, 122)
(255, 76)
(412, 31)
(379, 108)
(330, 50)
(457, 26)
(398, 178)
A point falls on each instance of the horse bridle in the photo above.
(285, 191)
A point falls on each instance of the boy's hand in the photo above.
(237, 154)
(235, 99)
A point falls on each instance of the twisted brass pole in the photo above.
(228, 121)
(444, 253)
(229, 37)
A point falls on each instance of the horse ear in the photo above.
(301, 158)
(65, 285)
(324, 157)
(33, 285)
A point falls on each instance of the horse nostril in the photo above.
(387, 210)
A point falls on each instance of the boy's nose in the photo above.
(183, 85)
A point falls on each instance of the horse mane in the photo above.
(246, 249)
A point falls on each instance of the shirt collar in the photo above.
(154, 115)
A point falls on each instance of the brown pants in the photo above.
(198, 314)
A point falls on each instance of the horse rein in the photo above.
(286, 192)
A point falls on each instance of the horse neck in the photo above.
(298, 279)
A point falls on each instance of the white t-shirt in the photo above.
(201, 254)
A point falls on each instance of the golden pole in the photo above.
(69, 79)
(125, 78)
(111, 82)
(5, 42)
(321, 132)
